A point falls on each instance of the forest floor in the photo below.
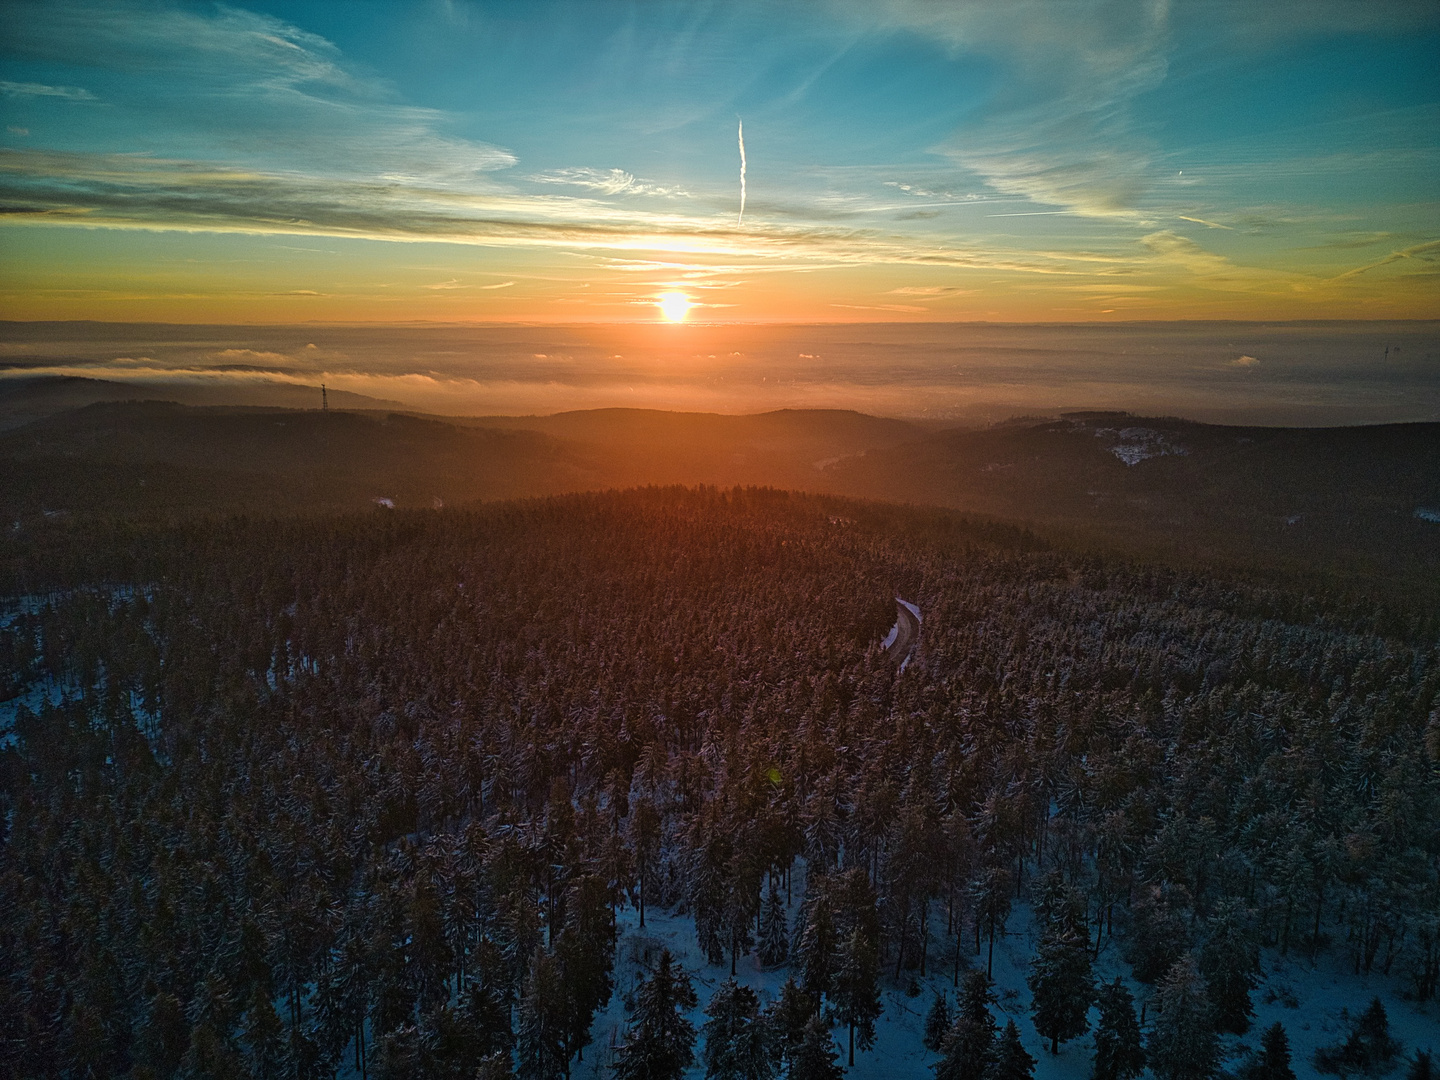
(1319, 992)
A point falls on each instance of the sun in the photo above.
(674, 305)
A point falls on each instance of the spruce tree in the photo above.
(1061, 984)
(1274, 1060)
(1373, 1031)
(1228, 962)
(540, 1041)
(937, 1023)
(787, 1016)
(586, 954)
(856, 993)
(1422, 1067)
(660, 1044)
(969, 1048)
(815, 954)
(990, 895)
(774, 933)
(1011, 1060)
(736, 1043)
(1182, 1043)
(815, 1058)
(1118, 1052)
(1368, 1047)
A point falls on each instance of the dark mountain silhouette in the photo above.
(1340, 500)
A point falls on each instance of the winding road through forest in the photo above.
(902, 637)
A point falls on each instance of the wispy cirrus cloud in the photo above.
(607, 182)
(1062, 132)
(28, 89)
(1427, 252)
(124, 191)
(237, 86)
(1064, 127)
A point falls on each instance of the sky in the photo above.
(581, 162)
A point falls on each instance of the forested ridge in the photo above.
(369, 792)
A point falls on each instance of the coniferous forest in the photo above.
(421, 793)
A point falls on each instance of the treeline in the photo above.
(371, 790)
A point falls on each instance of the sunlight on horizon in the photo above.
(674, 306)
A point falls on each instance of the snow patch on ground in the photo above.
(1319, 992)
(1137, 444)
(1133, 445)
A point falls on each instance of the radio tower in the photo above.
(324, 399)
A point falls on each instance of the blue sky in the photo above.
(1064, 160)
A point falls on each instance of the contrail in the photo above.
(741, 220)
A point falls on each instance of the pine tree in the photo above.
(856, 992)
(1422, 1067)
(1368, 1046)
(1373, 1031)
(540, 1040)
(736, 1043)
(660, 1044)
(1011, 1060)
(969, 1048)
(815, 954)
(1118, 1052)
(586, 954)
(1182, 1043)
(1228, 962)
(774, 933)
(815, 1058)
(937, 1023)
(645, 839)
(163, 1039)
(1274, 1060)
(787, 1017)
(494, 1066)
(263, 1031)
(1159, 933)
(1061, 984)
(990, 895)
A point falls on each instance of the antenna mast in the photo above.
(324, 399)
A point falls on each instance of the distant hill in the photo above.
(1342, 498)
(1348, 502)
(25, 399)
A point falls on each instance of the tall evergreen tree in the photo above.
(586, 954)
(1368, 1046)
(1228, 962)
(1182, 1043)
(815, 1058)
(737, 1046)
(1119, 1054)
(1422, 1066)
(787, 1016)
(660, 1044)
(856, 991)
(540, 1038)
(815, 954)
(1273, 1062)
(1061, 984)
(1012, 1062)
(969, 1048)
(774, 933)
(990, 897)
(937, 1023)
(644, 830)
